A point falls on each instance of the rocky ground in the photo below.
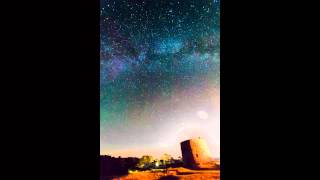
(172, 174)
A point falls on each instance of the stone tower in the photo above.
(196, 154)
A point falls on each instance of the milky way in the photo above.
(159, 74)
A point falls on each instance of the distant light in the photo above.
(202, 114)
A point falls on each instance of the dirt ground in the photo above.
(173, 174)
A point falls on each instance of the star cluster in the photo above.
(150, 52)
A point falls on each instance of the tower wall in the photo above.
(196, 154)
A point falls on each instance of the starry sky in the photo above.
(159, 75)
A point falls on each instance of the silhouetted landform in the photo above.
(112, 166)
(117, 166)
(196, 163)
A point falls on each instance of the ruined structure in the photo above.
(196, 154)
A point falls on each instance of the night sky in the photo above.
(159, 75)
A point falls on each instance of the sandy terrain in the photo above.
(173, 174)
